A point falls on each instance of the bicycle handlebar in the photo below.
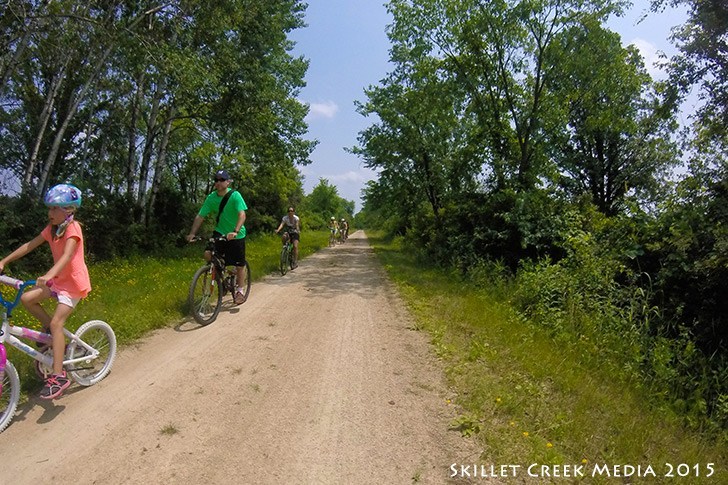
(18, 284)
(15, 283)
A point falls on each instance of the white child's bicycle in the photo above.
(90, 352)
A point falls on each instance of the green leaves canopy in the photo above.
(120, 97)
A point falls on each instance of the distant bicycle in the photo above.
(213, 281)
(90, 352)
(288, 256)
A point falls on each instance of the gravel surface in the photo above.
(317, 379)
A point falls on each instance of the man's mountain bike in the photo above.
(213, 281)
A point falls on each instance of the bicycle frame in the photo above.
(12, 334)
(219, 267)
(288, 241)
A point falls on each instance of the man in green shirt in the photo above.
(230, 225)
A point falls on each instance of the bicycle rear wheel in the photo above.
(283, 265)
(205, 296)
(245, 284)
(9, 395)
(99, 335)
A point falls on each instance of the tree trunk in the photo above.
(45, 116)
(152, 132)
(161, 163)
(132, 135)
(431, 186)
(76, 101)
(9, 68)
(73, 108)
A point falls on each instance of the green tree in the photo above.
(323, 203)
(616, 139)
(688, 253)
(504, 55)
(701, 60)
(416, 144)
(140, 103)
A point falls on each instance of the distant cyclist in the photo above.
(293, 228)
(334, 229)
(344, 229)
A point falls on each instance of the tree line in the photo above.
(139, 103)
(521, 139)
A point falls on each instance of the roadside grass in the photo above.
(141, 294)
(528, 398)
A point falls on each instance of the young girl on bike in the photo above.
(67, 281)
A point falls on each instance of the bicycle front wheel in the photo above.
(292, 258)
(9, 395)
(205, 296)
(100, 336)
(283, 265)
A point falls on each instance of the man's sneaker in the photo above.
(239, 298)
(55, 385)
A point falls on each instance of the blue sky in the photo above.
(348, 50)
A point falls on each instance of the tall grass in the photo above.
(528, 395)
(141, 294)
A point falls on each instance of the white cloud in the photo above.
(651, 55)
(350, 176)
(327, 109)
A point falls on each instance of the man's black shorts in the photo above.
(233, 250)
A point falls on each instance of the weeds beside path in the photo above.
(532, 400)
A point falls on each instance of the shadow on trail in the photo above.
(348, 268)
(188, 324)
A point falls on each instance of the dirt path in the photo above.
(317, 379)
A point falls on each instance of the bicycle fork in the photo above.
(3, 351)
(3, 361)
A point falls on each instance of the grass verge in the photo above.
(529, 399)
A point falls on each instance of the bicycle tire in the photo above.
(9, 395)
(283, 264)
(205, 298)
(292, 258)
(99, 335)
(245, 284)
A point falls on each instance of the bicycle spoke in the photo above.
(205, 295)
